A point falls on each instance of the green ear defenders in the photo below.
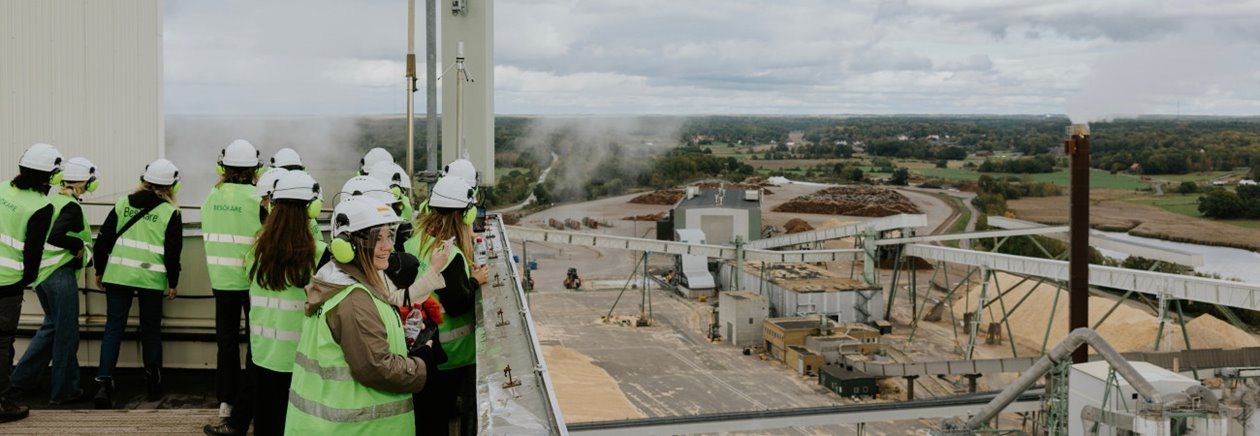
(397, 191)
(470, 215)
(56, 178)
(175, 188)
(92, 185)
(314, 207)
(218, 168)
(340, 247)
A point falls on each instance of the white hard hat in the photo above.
(451, 192)
(464, 169)
(240, 153)
(368, 186)
(295, 185)
(78, 169)
(41, 157)
(161, 172)
(358, 213)
(285, 157)
(267, 181)
(391, 174)
(373, 157)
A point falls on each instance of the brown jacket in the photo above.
(356, 325)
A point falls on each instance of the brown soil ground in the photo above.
(1108, 212)
(867, 201)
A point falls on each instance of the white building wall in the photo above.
(475, 29)
(86, 77)
(739, 216)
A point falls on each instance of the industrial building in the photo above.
(847, 382)
(741, 315)
(779, 333)
(794, 290)
(803, 360)
(722, 214)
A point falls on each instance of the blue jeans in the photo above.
(117, 306)
(57, 340)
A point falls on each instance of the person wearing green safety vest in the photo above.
(137, 254)
(230, 218)
(353, 372)
(451, 395)
(399, 183)
(282, 260)
(25, 216)
(57, 287)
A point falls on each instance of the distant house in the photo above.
(984, 153)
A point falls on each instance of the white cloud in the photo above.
(714, 56)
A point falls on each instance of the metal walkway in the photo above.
(813, 416)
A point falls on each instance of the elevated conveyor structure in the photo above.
(1175, 286)
(681, 248)
(1099, 240)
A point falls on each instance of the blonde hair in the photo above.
(442, 225)
(165, 192)
(73, 189)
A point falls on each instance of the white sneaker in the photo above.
(225, 410)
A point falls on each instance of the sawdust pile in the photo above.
(653, 217)
(797, 225)
(586, 392)
(665, 197)
(867, 201)
(1130, 328)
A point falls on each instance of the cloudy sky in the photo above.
(1088, 58)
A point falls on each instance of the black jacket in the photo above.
(460, 294)
(173, 242)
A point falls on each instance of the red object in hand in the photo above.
(403, 311)
(432, 310)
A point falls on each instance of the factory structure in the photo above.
(87, 77)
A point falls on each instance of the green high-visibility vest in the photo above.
(139, 255)
(275, 321)
(325, 400)
(55, 257)
(315, 230)
(16, 208)
(408, 212)
(229, 222)
(458, 333)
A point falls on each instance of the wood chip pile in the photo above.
(866, 201)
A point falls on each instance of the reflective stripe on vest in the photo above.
(229, 223)
(372, 413)
(12, 242)
(138, 257)
(268, 332)
(457, 332)
(157, 267)
(324, 398)
(227, 239)
(10, 263)
(155, 249)
(225, 261)
(276, 303)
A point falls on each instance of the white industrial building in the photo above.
(723, 214)
(842, 303)
(740, 316)
(1088, 386)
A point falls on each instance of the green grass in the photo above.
(1097, 178)
(1188, 205)
(960, 225)
(1194, 177)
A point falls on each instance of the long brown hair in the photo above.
(238, 175)
(364, 241)
(73, 189)
(441, 224)
(165, 192)
(284, 251)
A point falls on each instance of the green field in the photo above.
(1188, 205)
(1195, 177)
(1097, 178)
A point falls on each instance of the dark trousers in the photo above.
(450, 395)
(10, 311)
(270, 401)
(117, 307)
(229, 306)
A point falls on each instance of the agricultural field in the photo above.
(1097, 178)
(1188, 205)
